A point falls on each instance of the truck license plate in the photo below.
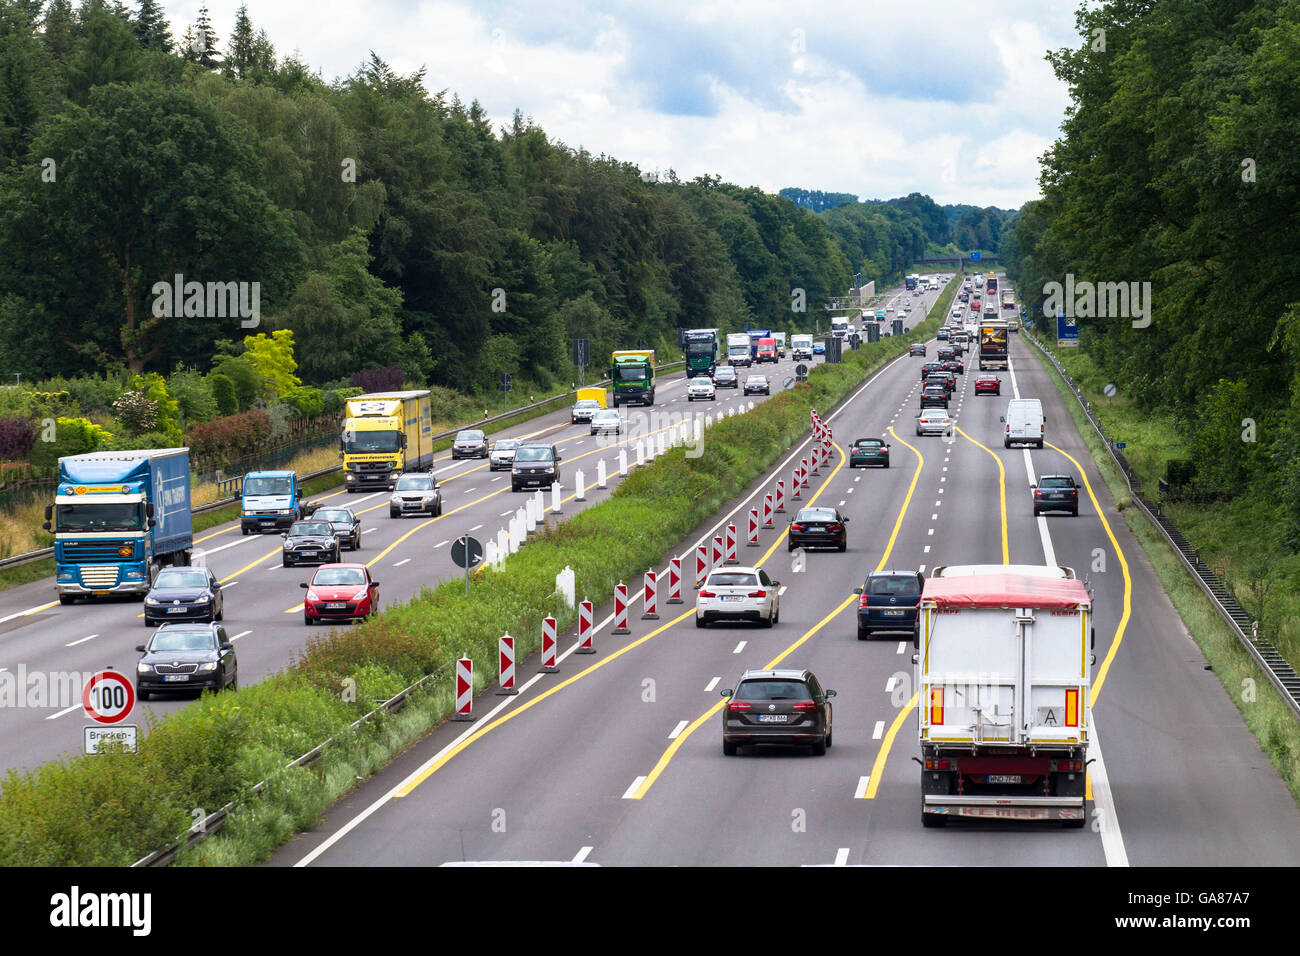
(1004, 778)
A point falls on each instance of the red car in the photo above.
(990, 384)
(340, 592)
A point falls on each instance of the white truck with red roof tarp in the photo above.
(1004, 671)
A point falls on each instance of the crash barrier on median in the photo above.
(1280, 673)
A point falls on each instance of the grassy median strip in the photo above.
(114, 808)
(1149, 444)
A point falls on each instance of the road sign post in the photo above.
(466, 552)
(108, 697)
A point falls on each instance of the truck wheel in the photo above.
(243, 530)
(66, 599)
(932, 820)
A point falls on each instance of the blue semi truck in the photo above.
(117, 517)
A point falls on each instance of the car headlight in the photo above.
(202, 599)
(311, 596)
(143, 668)
(288, 544)
(208, 666)
(396, 499)
(152, 601)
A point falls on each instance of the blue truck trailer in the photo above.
(270, 501)
(117, 517)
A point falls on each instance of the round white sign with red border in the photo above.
(108, 697)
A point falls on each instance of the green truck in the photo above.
(633, 377)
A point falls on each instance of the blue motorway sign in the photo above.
(1121, 444)
(975, 256)
(1067, 332)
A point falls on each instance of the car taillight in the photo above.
(1037, 493)
(798, 527)
(805, 705)
(758, 594)
(737, 705)
(864, 601)
(707, 594)
(835, 527)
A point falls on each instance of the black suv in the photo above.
(537, 465)
(777, 707)
(934, 396)
(1056, 493)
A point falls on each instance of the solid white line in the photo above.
(66, 710)
(1112, 840)
(678, 729)
(82, 641)
(879, 730)
(739, 647)
(30, 610)
(581, 856)
(402, 562)
(636, 784)
(861, 791)
(239, 635)
(842, 856)
(712, 685)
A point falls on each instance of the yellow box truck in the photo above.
(385, 434)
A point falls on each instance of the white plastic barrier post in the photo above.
(622, 462)
(555, 498)
(506, 658)
(579, 487)
(640, 453)
(602, 480)
(539, 507)
(490, 553)
(503, 545)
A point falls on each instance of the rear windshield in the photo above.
(732, 580)
(869, 442)
(1056, 483)
(771, 689)
(894, 584)
(816, 514)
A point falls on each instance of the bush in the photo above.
(229, 438)
(248, 385)
(90, 394)
(16, 438)
(307, 402)
(378, 379)
(223, 393)
(281, 414)
(142, 440)
(194, 396)
(136, 413)
(72, 436)
(154, 388)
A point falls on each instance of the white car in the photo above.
(701, 387)
(606, 420)
(738, 594)
(934, 421)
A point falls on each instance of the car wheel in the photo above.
(234, 683)
(438, 513)
(728, 748)
(392, 512)
(212, 615)
(864, 633)
(819, 748)
(886, 464)
(844, 545)
(700, 622)
(1006, 443)
(306, 620)
(1075, 513)
(829, 739)
(66, 599)
(285, 564)
(243, 531)
(141, 694)
(768, 621)
(1037, 512)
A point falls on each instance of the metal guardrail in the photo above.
(1279, 671)
(213, 822)
(28, 556)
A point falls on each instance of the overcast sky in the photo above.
(952, 99)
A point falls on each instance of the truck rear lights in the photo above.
(939, 765)
(1067, 766)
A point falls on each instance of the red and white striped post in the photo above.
(651, 598)
(780, 496)
(701, 564)
(794, 484)
(620, 609)
(674, 581)
(816, 459)
(506, 665)
(584, 629)
(803, 472)
(731, 545)
(548, 647)
(464, 689)
(767, 510)
(716, 560)
(753, 529)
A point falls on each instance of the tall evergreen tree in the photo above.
(240, 61)
(151, 27)
(205, 41)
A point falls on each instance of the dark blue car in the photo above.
(889, 602)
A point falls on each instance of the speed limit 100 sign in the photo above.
(108, 697)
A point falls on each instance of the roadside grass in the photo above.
(87, 811)
(1229, 531)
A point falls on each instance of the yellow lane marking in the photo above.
(878, 768)
(1002, 493)
(1128, 582)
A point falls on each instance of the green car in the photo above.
(869, 451)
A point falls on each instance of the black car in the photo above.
(818, 528)
(345, 524)
(181, 594)
(934, 396)
(415, 493)
(929, 367)
(869, 451)
(757, 384)
(186, 657)
(942, 335)
(945, 377)
(537, 465)
(470, 443)
(889, 601)
(1056, 493)
(916, 350)
(724, 376)
(777, 707)
(310, 542)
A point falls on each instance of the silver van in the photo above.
(1024, 422)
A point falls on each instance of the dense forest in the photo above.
(382, 224)
(1176, 167)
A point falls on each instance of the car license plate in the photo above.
(773, 718)
(177, 610)
(176, 677)
(1004, 778)
(895, 611)
(731, 597)
(335, 606)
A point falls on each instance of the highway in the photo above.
(617, 759)
(263, 599)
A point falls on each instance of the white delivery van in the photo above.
(1024, 422)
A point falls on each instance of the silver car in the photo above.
(934, 421)
(606, 420)
(502, 455)
(470, 443)
(701, 387)
(583, 410)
